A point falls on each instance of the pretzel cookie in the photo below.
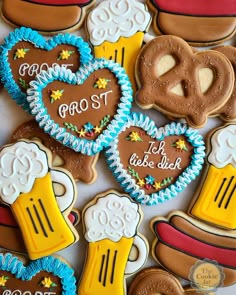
(182, 83)
(47, 16)
(200, 22)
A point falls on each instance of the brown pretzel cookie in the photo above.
(228, 111)
(155, 280)
(182, 83)
(46, 16)
(200, 23)
(183, 243)
(82, 167)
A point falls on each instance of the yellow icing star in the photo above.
(134, 136)
(180, 144)
(3, 281)
(141, 182)
(101, 83)
(81, 132)
(65, 54)
(97, 129)
(157, 185)
(56, 95)
(46, 282)
(20, 53)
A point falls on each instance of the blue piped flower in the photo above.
(149, 179)
(88, 127)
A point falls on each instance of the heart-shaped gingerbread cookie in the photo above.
(84, 111)
(155, 164)
(182, 83)
(48, 275)
(24, 53)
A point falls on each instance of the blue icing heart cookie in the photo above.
(154, 164)
(24, 53)
(83, 110)
(48, 274)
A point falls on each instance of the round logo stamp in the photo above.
(206, 276)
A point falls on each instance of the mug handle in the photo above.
(142, 247)
(66, 200)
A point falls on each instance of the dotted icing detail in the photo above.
(85, 146)
(129, 183)
(50, 264)
(29, 35)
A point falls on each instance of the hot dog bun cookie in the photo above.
(181, 83)
(115, 248)
(116, 30)
(48, 275)
(228, 111)
(181, 242)
(214, 201)
(155, 280)
(201, 23)
(81, 167)
(46, 16)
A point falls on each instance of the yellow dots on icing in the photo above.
(20, 53)
(65, 54)
(56, 95)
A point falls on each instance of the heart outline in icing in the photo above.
(87, 147)
(38, 41)
(50, 264)
(128, 183)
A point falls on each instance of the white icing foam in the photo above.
(223, 144)
(112, 19)
(20, 164)
(112, 217)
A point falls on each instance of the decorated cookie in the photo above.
(116, 31)
(25, 53)
(81, 167)
(27, 185)
(115, 248)
(47, 16)
(154, 164)
(200, 23)
(84, 111)
(185, 247)
(10, 232)
(228, 111)
(155, 280)
(181, 83)
(48, 275)
(215, 200)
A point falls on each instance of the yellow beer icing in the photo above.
(216, 202)
(124, 52)
(43, 226)
(105, 267)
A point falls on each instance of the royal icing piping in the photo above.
(20, 165)
(129, 183)
(111, 218)
(33, 37)
(83, 145)
(223, 143)
(50, 264)
(111, 20)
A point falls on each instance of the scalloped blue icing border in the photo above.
(51, 264)
(88, 147)
(128, 183)
(29, 35)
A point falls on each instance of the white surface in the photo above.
(11, 116)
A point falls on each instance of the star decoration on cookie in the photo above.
(56, 95)
(101, 83)
(20, 53)
(3, 280)
(134, 136)
(65, 54)
(48, 283)
(180, 144)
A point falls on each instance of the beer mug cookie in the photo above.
(110, 227)
(27, 186)
(215, 200)
(47, 16)
(116, 31)
(200, 22)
